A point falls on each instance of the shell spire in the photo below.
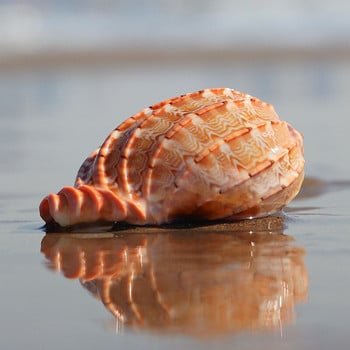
(210, 154)
(86, 204)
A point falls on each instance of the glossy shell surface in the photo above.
(211, 154)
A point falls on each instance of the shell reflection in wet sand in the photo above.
(202, 281)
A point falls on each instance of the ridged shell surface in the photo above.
(211, 154)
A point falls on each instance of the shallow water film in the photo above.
(276, 282)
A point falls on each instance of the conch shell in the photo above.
(207, 155)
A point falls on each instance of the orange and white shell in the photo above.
(211, 154)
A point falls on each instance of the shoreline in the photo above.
(178, 55)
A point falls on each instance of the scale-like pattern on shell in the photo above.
(211, 154)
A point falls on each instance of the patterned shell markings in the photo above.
(211, 154)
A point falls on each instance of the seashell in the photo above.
(207, 155)
(216, 280)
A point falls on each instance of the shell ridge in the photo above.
(117, 135)
(85, 172)
(140, 135)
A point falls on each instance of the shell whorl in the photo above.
(87, 204)
(210, 154)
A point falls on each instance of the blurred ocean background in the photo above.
(53, 27)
